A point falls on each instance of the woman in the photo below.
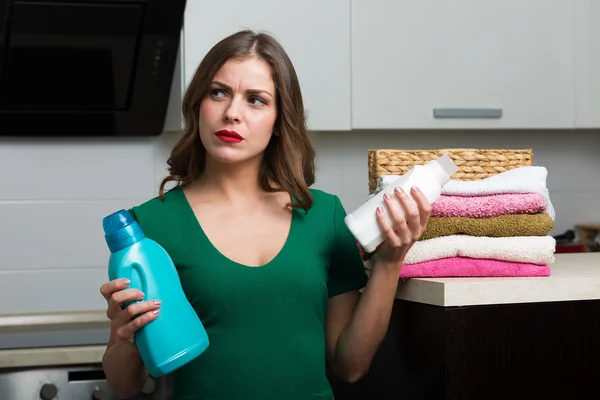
(267, 263)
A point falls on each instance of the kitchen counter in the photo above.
(574, 276)
(55, 338)
(491, 338)
(15, 323)
(51, 356)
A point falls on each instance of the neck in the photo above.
(234, 182)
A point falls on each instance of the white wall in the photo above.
(571, 157)
(54, 194)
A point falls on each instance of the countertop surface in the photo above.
(574, 276)
(52, 323)
(51, 356)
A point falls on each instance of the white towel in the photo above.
(526, 249)
(529, 179)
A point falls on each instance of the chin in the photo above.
(221, 157)
(228, 155)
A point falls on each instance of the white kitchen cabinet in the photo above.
(315, 34)
(587, 64)
(479, 63)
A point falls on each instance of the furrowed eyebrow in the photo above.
(249, 91)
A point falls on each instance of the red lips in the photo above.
(232, 134)
(229, 136)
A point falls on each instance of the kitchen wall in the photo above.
(55, 193)
(571, 157)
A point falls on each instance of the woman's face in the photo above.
(238, 113)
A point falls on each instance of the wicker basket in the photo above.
(473, 164)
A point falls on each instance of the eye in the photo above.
(217, 93)
(257, 101)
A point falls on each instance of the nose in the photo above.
(232, 112)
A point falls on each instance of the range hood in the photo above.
(87, 68)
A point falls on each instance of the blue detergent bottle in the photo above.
(177, 335)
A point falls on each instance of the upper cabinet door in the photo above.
(462, 64)
(587, 64)
(314, 33)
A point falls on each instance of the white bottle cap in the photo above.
(447, 165)
(442, 169)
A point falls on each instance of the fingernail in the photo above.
(387, 196)
(141, 295)
(379, 209)
(155, 312)
(157, 302)
(399, 190)
(126, 282)
(415, 189)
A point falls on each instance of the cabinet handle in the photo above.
(467, 113)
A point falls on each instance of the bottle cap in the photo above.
(116, 221)
(121, 230)
(447, 165)
(441, 169)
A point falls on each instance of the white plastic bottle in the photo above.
(429, 178)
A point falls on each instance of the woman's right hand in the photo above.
(125, 322)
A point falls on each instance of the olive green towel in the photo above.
(502, 226)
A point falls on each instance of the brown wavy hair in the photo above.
(288, 163)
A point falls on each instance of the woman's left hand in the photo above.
(405, 227)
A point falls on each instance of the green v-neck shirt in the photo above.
(266, 325)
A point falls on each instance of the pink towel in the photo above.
(471, 267)
(488, 206)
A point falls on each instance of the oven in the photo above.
(70, 382)
(57, 356)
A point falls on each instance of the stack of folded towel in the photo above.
(498, 226)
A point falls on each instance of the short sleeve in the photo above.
(347, 272)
